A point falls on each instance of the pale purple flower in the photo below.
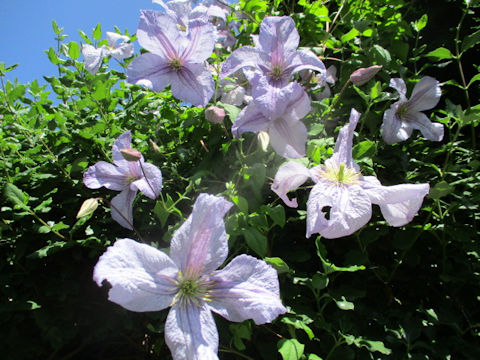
(406, 115)
(117, 48)
(125, 176)
(235, 90)
(146, 279)
(175, 57)
(363, 75)
(278, 116)
(343, 192)
(275, 54)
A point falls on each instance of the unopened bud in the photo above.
(263, 140)
(154, 145)
(215, 114)
(88, 207)
(363, 75)
(131, 154)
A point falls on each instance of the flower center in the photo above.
(176, 64)
(340, 175)
(192, 291)
(277, 72)
(402, 109)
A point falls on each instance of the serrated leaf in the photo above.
(440, 53)
(290, 349)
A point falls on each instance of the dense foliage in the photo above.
(382, 293)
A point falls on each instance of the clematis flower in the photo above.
(343, 192)
(275, 54)
(125, 176)
(175, 57)
(406, 115)
(117, 48)
(279, 117)
(146, 279)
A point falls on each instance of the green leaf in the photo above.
(290, 349)
(276, 213)
(440, 54)
(364, 149)
(73, 50)
(100, 92)
(473, 79)
(327, 265)
(97, 32)
(16, 196)
(241, 203)
(231, 110)
(314, 357)
(371, 345)
(50, 249)
(300, 325)
(33, 305)
(380, 55)
(420, 23)
(343, 304)
(470, 41)
(278, 264)
(256, 241)
(52, 56)
(319, 281)
(56, 29)
(84, 37)
(350, 35)
(441, 189)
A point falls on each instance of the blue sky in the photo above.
(26, 28)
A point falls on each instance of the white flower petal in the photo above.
(247, 288)
(138, 274)
(399, 85)
(393, 128)
(350, 210)
(343, 144)
(398, 203)
(288, 138)
(289, 177)
(191, 333)
(121, 208)
(426, 95)
(92, 57)
(430, 130)
(200, 245)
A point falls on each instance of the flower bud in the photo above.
(154, 146)
(215, 114)
(263, 140)
(88, 207)
(131, 154)
(363, 75)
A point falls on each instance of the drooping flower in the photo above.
(345, 194)
(146, 279)
(117, 48)
(275, 54)
(406, 115)
(175, 57)
(125, 176)
(279, 117)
